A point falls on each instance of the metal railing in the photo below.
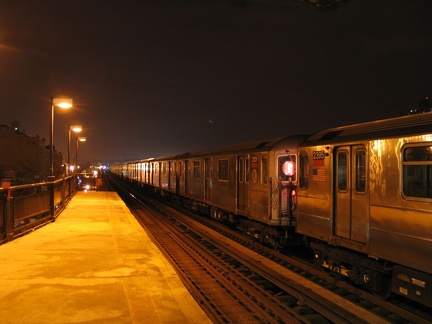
(24, 208)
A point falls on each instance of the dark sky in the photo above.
(151, 78)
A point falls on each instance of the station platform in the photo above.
(94, 264)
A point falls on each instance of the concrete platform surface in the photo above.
(94, 264)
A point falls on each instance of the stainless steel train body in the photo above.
(363, 196)
(368, 188)
(250, 181)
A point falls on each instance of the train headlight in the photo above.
(288, 168)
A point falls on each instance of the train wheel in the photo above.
(378, 283)
(384, 289)
(318, 260)
(281, 244)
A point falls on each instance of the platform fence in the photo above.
(24, 208)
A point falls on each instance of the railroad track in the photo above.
(394, 311)
(234, 283)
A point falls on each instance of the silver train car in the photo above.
(249, 185)
(359, 195)
(365, 197)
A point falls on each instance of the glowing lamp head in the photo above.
(76, 128)
(62, 102)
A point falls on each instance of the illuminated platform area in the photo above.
(95, 264)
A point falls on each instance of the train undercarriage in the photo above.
(272, 236)
(382, 278)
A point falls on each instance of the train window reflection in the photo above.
(264, 170)
(223, 170)
(417, 172)
(342, 180)
(360, 171)
(419, 153)
(241, 170)
(208, 169)
(196, 169)
(247, 171)
(304, 171)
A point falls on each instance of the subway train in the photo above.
(360, 196)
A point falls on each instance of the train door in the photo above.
(286, 176)
(351, 200)
(152, 174)
(181, 178)
(156, 177)
(172, 176)
(208, 179)
(176, 177)
(242, 182)
(186, 177)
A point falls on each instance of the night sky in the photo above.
(151, 78)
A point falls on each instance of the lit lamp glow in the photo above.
(78, 139)
(64, 103)
(76, 129)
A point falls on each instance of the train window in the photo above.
(360, 171)
(285, 163)
(152, 173)
(264, 170)
(247, 171)
(196, 169)
(418, 153)
(342, 180)
(241, 170)
(156, 178)
(223, 170)
(304, 171)
(208, 168)
(417, 171)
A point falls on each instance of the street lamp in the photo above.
(78, 139)
(64, 103)
(76, 129)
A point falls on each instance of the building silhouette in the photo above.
(25, 159)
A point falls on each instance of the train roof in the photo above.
(254, 146)
(378, 129)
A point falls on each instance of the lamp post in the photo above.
(64, 103)
(78, 139)
(76, 129)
